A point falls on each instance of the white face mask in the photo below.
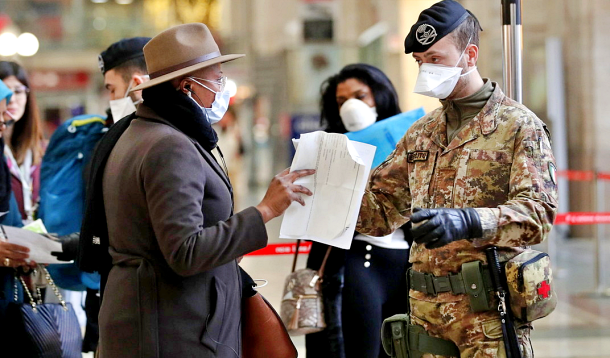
(438, 81)
(120, 108)
(219, 106)
(357, 115)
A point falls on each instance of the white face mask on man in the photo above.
(357, 115)
(438, 81)
(120, 108)
(219, 106)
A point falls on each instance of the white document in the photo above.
(40, 246)
(342, 170)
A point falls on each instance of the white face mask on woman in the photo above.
(219, 106)
(438, 81)
(357, 115)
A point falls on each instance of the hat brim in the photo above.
(184, 71)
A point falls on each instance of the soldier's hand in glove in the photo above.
(69, 247)
(444, 226)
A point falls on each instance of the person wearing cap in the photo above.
(122, 65)
(159, 223)
(124, 68)
(476, 172)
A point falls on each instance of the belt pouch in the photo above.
(395, 336)
(472, 274)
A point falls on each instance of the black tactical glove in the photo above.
(445, 226)
(69, 246)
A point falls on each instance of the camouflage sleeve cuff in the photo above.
(489, 224)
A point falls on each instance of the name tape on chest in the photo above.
(417, 156)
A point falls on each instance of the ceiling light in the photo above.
(27, 44)
(231, 86)
(8, 44)
(99, 23)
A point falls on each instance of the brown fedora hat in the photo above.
(178, 51)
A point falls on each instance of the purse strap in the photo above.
(296, 255)
(51, 283)
(321, 269)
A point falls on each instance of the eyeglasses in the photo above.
(222, 82)
(20, 91)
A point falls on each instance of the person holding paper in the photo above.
(363, 285)
(476, 172)
(159, 225)
(11, 255)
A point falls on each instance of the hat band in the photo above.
(182, 65)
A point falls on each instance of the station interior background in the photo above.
(293, 45)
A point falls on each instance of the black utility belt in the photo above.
(474, 280)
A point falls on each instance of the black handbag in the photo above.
(49, 330)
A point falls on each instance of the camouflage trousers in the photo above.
(477, 335)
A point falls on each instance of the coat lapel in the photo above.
(145, 112)
(467, 134)
(489, 114)
(484, 123)
(437, 130)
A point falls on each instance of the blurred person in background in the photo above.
(159, 224)
(124, 68)
(365, 284)
(24, 139)
(12, 256)
(64, 170)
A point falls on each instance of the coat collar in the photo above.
(484, 123)
(146, 113)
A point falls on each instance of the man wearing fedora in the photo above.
(160, 212)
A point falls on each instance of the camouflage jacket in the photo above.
(501, 164)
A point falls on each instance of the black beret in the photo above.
(122, 51)
(433, 24)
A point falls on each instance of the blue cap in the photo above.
(122, 51)
(435, 23)
(5, 92)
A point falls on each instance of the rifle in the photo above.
(511, 344)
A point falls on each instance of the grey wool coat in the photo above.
(174, 289)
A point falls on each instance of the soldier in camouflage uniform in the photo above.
(480, 167)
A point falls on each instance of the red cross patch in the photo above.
(544, 290)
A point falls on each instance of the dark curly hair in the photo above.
(386, 99)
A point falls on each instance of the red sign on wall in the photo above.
(59, 80)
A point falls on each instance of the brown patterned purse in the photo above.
(302, 310)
